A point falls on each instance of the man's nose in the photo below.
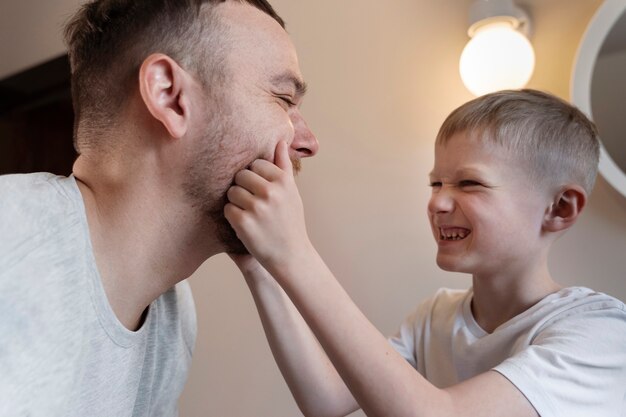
(304, 141)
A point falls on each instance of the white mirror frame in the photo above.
(599, 27)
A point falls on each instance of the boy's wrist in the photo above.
(292, 265)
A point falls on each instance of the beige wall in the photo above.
(383, 75)
(30, 32)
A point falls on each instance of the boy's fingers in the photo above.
(265, 169)
(232, 213)
(240, 197)
(273, 171)
(250, 180)
(281, 157)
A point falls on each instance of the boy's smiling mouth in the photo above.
(453, 233)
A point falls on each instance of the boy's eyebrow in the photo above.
(463, 172)
(470, 171)
(292, 79)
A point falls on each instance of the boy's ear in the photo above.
(565, 208)
(164, 87)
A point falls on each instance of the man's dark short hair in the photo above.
(108, 40)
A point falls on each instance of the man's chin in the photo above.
(230, 241)
(238, 249)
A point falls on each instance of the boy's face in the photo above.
(485, 214)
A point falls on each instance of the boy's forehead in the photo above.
(464, 145)
(466, 155)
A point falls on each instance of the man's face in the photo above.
(255, 107)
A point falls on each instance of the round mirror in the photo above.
(599, 86)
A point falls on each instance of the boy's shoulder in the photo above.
(567, 304)
(443, 305)
(573, 302)
(447, 298)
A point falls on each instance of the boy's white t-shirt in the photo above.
(566, 354)
(63, 352)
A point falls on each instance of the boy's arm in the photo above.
(267, 214)
(314, 383)
(383, 383)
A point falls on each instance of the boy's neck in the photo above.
(497, 300)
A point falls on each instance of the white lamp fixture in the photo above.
(499, 55)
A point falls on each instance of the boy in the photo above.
(512, 173)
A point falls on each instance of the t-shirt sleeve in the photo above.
(575, 366)
(414, 332)
(407, 339)
(403, 341)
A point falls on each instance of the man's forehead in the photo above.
(256, 42)
(239, 16)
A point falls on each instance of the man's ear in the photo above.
(164, 87)
(565, 208)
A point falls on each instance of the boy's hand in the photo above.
(266, 211)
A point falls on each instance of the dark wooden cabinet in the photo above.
(36, 120)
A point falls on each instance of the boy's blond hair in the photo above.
(557, 140)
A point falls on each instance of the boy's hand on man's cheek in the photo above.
(265, 209)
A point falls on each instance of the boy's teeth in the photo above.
(453, 233)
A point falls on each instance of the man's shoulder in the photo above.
(25, 185)
(40, 214)
(31, 198)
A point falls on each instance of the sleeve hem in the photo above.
(529, 388)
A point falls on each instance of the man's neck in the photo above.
(144, 240)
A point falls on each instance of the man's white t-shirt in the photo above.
(63, 352)
(566, 354)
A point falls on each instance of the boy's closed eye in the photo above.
(469, 183)
(460, 184)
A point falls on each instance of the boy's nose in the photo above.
(440, 202)
(304, 141)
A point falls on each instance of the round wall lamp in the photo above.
(499, 55)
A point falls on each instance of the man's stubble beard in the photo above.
(209, 175)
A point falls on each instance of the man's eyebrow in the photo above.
(292, 79)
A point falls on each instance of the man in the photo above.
(172, 98)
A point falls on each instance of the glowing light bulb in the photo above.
(497, 57)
